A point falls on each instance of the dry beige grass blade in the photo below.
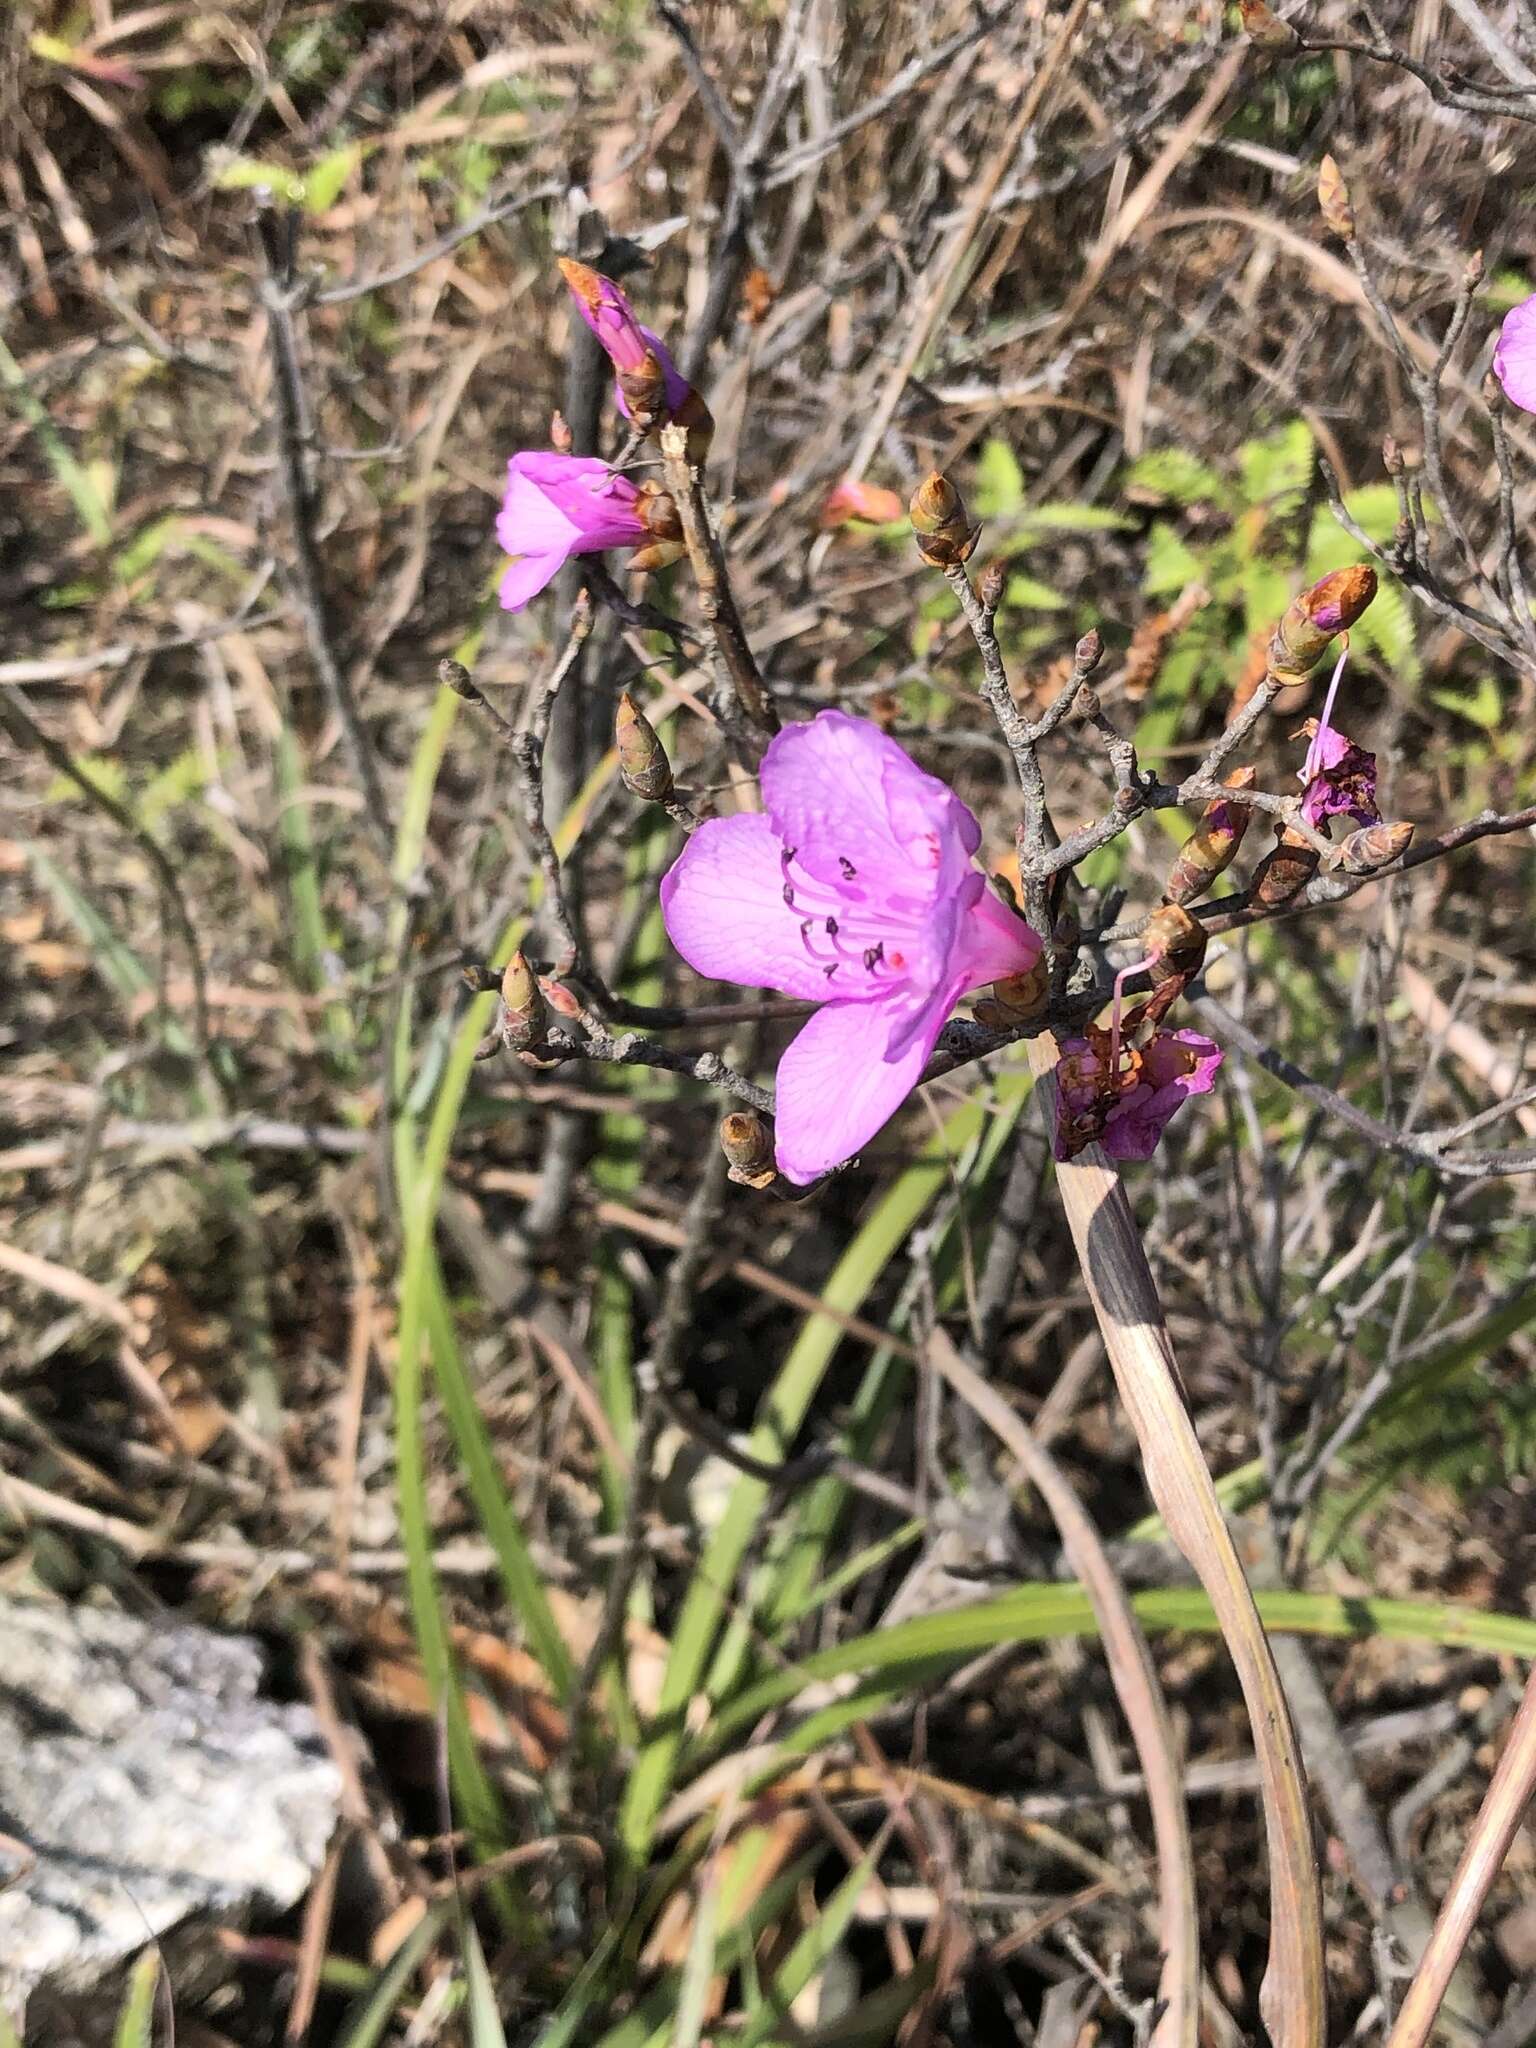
(1502, 1810)
(1292, 1998)
(1136, 1687)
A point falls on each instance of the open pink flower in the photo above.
(1127, 1112)
(557, 506)
(637, 354)
(855, 891)
(1514, 356)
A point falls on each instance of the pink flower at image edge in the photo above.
(855, 890)
(557, 506)
(1514, 356)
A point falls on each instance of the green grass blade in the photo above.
(782, 1411)
(365, 2024)
(485, 2028)
(808, 1956)
(519, 1575)
(136, 2022)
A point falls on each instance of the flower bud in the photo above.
(1314, 618)
(1472, 270)
(643, 763)
(561, 439)
(945, 538)
(1089, 651)
(661, 554)
(1285, 870)
(747, 1143)
(1175, 943)
(1333, 201)
(1023, 997)
(1264, 27)
(479, 978)
(990, 585)
(645, 391)
(453, 675)
(1211, 847)
(656, 509)
(1391, 455)
(524, 1017)
(1374, 846)
(559, 998)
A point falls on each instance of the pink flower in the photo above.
(638, 355)
(558, 506)
(855, 891)
(1340, 779)
(1514, 357)
(1128, 1112)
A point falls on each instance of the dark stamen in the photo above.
(831, 927)
(847, 866)
(873, 955)
(830, 971)
(789, 894)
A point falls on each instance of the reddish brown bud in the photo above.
(1089, 651)
(747, 1143)
(560, 999)
(643, 763)
(1285, 870)
(1391, 455)
(656, 509)
(990, 585)
(1374, 846)
(1472, 270)
(645, 392)
(1311, 620)
(1175, 943)
(524, 1017)
(1211, 847)
(561, 439)
(945, 538)
(1023, 996)
(696, 419)
(1264, 27)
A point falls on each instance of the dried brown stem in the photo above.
(746, 690)
(1125, 1301)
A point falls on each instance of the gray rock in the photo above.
(142, 1779)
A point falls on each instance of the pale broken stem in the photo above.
(1130, 1316)
(1502, 1810)
(1136, 1687)
(726, 633)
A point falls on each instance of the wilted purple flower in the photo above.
(1341, 782)
(557, 506)
(855, 891)
(1514, 356)
(1125, 1105)
(1338, 778)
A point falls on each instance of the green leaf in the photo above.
(1025, 594)
(323, 180)
(1277, 470)
(809, 1955)
(365, 2023)
(998, 492)
(1482, 707)
(1171, 563)
(250, 174)
(1175, 474)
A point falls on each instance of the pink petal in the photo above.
(526, 577)
(835, 1089)
(992, 942)
(722, 902)
(531, 521)
(838, 790)
(1514, 358)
